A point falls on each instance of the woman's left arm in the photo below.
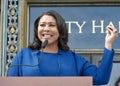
(101, 75)
(104, 70)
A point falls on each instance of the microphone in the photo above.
(44, 44)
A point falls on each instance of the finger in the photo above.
(109, 30)
(112, 30)
(112, 27)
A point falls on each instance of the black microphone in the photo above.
(44, 44)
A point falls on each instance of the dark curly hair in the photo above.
(62, 29)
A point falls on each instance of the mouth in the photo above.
(47, 36)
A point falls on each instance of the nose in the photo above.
(46, 29)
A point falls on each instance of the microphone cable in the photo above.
(30, 65)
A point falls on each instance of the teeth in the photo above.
(46, 35)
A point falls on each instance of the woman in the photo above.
(56, 59)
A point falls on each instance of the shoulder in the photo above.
(71, 53)
(78, 57)
(26, 51)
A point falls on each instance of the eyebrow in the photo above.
(48, 22)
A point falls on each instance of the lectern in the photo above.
(46, 81)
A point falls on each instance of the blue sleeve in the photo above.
(14, 69)
(101, 74)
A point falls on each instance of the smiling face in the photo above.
(47, 29)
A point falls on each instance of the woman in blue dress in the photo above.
(49, 54)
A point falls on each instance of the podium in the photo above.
(45, 81)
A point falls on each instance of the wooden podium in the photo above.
(45, 81)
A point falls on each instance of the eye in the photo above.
(42, 25)
(52, 25)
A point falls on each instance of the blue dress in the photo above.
(35, 63)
